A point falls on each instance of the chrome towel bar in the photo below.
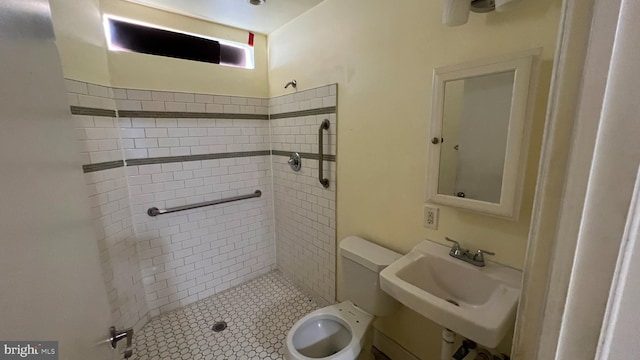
(324, 126)
(154, 211)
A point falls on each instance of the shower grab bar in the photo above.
(323, 126)
(154, 211)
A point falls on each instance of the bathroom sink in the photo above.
(478, 303)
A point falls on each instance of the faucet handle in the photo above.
(455, 248)
(455, 243)
(479, 256)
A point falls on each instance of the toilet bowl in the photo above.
(335, 332)
(339, 332)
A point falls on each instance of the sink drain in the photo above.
(219, 326)
(453, 302)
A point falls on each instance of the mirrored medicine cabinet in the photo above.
(479, 133)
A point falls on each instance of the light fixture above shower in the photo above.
(483, 6)
(456, 12)
(257, 2)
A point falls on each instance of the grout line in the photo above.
(88, 168)
(170, 159)
(312, 156)
(273, 193)
(189, 115)
(81, 110)
(319, 111)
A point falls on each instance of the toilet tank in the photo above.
(362, 262)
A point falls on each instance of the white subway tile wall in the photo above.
(300, 134)
(148, 137)
(189, 255)
(146, 100)
(304, 210)
(321, 97)
(157, 264)
(98, 141)
(89, 95)
(111, 212)
(97, 138)
(194, 254)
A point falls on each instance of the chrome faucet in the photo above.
(458, 252)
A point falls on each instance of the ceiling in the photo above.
(237, 13)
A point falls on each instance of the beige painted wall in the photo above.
(382, 56)
(81, 41)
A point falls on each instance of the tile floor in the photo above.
(258, 313)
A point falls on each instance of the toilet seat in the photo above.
(334, 332)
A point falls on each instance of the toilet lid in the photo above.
(321, 337)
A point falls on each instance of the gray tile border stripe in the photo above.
(80, 110)
(189, 115)
(88, 168)
(303, 155)
(319, 111)
(102, 166)
(170, 159)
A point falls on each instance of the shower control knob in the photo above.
(295, 162)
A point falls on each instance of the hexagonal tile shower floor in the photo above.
(258, 315)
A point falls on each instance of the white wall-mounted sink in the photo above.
(429, 281)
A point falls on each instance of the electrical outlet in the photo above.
(431, 217)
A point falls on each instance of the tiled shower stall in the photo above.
(145, 149)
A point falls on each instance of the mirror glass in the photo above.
(475, 126)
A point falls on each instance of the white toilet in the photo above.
(340, 331)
